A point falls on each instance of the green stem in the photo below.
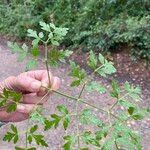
(83, 101)
(95, 71)
(117, 101)
(27, 133)
(114, 105)
(46, 63)
(77, 111)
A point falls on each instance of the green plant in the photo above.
(114, 131)
(94, 24)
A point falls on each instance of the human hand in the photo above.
(31, 84)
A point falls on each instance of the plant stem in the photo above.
(78, 132)
(114, 105)
(27, 132)
(77, 111)
(81, 100)
(117, 101)
(35, 105)
(46, 63)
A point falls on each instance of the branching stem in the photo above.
(84, 102)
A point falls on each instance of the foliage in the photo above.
(110, 133)
(100, 24)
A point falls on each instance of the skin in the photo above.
(30, 85)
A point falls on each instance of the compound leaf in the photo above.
(95, 86)
(92, 60)
(88, 138)
(87, 117)
(39, 140)
(69, 141)
(45, 26)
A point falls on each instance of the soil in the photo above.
(136, 72)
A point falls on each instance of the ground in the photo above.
(9, 66)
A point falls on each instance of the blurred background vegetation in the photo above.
(102, 25)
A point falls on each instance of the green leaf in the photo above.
(41, 35)
(92, 60)
(87, 117)
(6, 93)
(134, 92)
(21, 51)
(94, 86)
(102, 59)
(63, 109)
(12, 107)
(108, 145)
(14, 128)
(29, 138)
(52, 25)
(131, 110)
(44, 26)
(16, 139)
(15, 96)
(126, 137)
(55, 43)
(107, 69)
(2, 102)
(35, 42)
(67, 53)
(53, 57)
(32, 33)
(35, 52)
(14, 47)
(50, 35)
(78, 73)
(39, 140)
(60, 32)
(69, 141)
(36, 116)
(103, 132)
(126, 103)
(88, 138)
(31, 64)
(66, 122)
(140, 113)
(9, 136)
(115, 89)
(75, 83)
(48, 124)
(56, 119)
(33, 129)
(63, 54)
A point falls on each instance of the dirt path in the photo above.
(9, 66)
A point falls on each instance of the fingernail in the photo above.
(36, 85)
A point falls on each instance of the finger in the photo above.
(56, 83)
(25, 108)
(7, 83)
(54, 86)
(42, 76)
(27, 84)
(12, 117)
(33, 98)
